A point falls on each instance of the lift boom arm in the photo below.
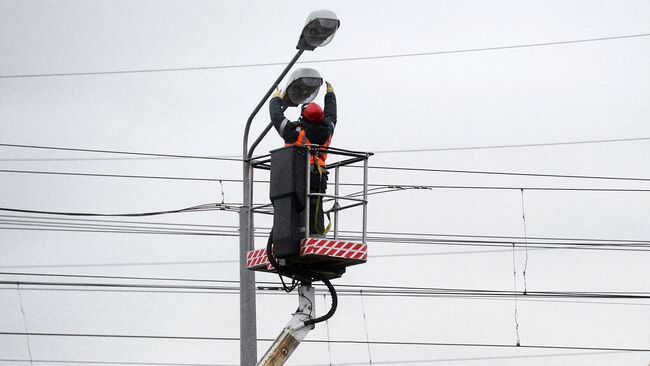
(294, 332)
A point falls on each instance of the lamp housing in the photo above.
(319, 29)
(302, 87)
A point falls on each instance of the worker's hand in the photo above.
(330, 88)
(278, 93)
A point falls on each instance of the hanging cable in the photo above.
(523, 218)
(516, 313)
(276, 265)
(22, 311)
(335, 303)
(365, 326)
(327, 328)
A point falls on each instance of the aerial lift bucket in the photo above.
(296, 253)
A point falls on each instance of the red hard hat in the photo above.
(312, 112)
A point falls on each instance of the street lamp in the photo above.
(302, 87)
(319, 30)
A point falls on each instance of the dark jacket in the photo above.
(317, 133)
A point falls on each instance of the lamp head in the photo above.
(319, 30)
(302, 87)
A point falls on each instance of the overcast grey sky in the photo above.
(571, 92)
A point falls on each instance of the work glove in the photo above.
(277, 94)
(330, 88)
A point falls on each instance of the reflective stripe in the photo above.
(301, 140)
(320, 156)
(282, 126)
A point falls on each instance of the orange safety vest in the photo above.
(320, 156)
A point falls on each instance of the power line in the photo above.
(398, 241)
(485, 172)
(346, 59)
(120, 285)
(63, 275)
(384, 343)
(486, 147)
(376, 152)
(209, 206)
(265, 230)
(263, 290)
(136, 228)
(97, 362)
(154, 223)
(401, 362)
(391, 186)
(353, 290)
(80, 159)
(604, 246)
(397, 343)
(239, 180)
(479, 358)
(120, 264)
(119, 152)
(120, 176)
(510, 188)
(68, 226)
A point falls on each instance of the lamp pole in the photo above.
(319, 30)
(247, 310)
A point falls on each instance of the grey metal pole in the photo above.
(365, 201)
(247, 304)
(336, 203)
(308, 200)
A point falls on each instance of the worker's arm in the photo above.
(285, 128)
(330, 109)
(330, 106)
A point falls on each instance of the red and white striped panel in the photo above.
(257, 259)
(355, 252)
(333, 248)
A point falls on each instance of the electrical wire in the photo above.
(634, 139)
(384, 343)
(141, 214)
(485, 172)
(389, 187)
(68, 224)
(118, 152)
(98, 362)
(487, 147)
(391, 241)
(262, 286)
(515, 188)
(32, 225)
(263, 230)
(64, 275)
(400, 362)
(346, 59)
(353, 290)
(198, 179)
(263, 290)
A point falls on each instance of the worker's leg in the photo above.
(317, 184)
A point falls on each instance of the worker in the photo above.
(315, 126)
